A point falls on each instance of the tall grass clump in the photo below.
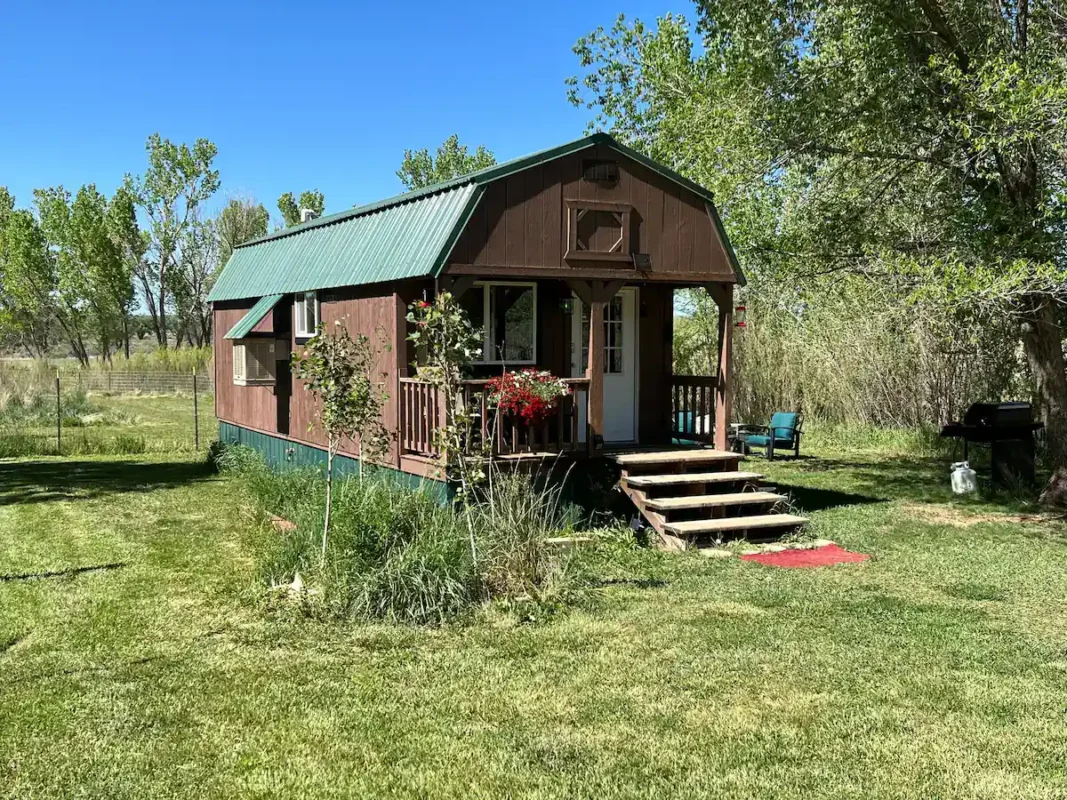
(400, 554)
(183, 359)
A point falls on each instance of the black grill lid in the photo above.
(994, 414)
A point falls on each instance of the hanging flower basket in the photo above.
(530, 395)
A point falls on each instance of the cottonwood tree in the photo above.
(27, 277)
(290, 208)
(240, 219)
(340, 372)
(420, 169)
(178, 180)
(198, 268)
(69, 245)
(916, 142)
(131, 244)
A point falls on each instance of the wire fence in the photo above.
(88, 412)
(127, 382)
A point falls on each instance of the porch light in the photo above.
(566, 305)
(739, 315)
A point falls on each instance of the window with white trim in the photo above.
(306, 310)
(255, 362)
(507, 312)
(613, 335)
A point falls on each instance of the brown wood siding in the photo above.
(522, 222)
(366, 311)
(253, 406)
(375, 312)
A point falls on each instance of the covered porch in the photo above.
(612, 343)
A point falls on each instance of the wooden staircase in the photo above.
(692, 496)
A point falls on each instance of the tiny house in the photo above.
(568, 259)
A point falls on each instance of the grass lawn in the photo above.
(136, 662)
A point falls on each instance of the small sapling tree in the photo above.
(338, 370)
(449, 344)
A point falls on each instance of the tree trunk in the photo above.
(150, 303)
(329, 496)
(126, 336)
(1043, 345)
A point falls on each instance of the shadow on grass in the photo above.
(62, 573)
(894, 478)
(809, 498)
(46, 481)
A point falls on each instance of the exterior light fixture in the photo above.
(566, 305)
(739, 315)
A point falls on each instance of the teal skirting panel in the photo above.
(286, 454)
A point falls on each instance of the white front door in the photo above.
(620, 363)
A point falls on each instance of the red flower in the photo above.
(530, 395)
(423, 304)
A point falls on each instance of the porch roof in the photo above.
(257, 312)
(407, 236)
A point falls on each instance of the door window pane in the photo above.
(613, 336)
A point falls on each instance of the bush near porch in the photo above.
(398, 554)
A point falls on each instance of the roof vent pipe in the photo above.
(306, 215)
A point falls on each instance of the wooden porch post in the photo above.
(723, 293)
(594, 371)
(595, 295)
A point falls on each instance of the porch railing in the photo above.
(693, 407)
(422, 412)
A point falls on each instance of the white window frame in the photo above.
(264, 360)
(487, 344)
(300, 314)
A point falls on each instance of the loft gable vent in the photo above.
(600, 170)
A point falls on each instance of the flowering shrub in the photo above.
(532, 395)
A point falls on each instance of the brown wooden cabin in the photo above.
(569, 258)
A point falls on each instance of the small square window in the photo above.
(254, 362)
(306, 310)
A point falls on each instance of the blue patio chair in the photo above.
(782, 434)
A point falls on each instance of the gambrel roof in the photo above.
(407, 236)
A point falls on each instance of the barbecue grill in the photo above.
(1008, 430)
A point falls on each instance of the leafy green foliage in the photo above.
(179, 179)
(420, 169)
(447, 344)
(339, 371)
(919, 146)
(241, 219)
(27, 276)
(290, 208)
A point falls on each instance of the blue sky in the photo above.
(296, 96)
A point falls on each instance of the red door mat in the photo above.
(818, 557)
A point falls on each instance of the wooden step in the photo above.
(712, 500)
(692, 477)
(697, 526)
(676, 457)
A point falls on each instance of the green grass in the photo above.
(120, 424)
(138, 658)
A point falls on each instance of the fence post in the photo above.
(196, 415)
(59, 419)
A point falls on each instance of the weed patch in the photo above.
(398, 554)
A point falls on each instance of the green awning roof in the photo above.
(252, 318)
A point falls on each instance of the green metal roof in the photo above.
(252, 318)
(407, 236)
